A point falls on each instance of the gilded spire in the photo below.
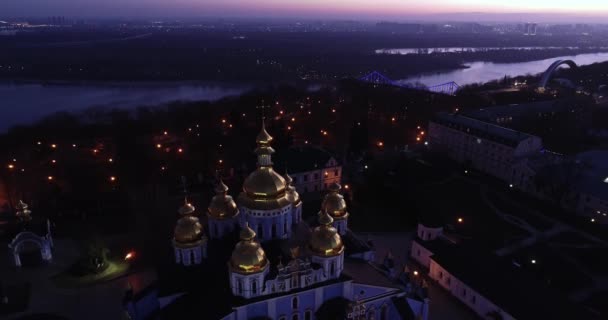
(221, 187)
(247, 234)
(187, 208)
(325, 219)
(263, 138)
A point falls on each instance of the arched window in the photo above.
(294, 303)
(308, 315)
(254, 287)
(332, 268)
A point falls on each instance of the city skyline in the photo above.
(590, 11)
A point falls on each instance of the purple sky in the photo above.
(541, 10)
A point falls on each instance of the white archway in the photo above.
(43, 243)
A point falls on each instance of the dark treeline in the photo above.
(180, 54)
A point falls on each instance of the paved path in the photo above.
(99, 302)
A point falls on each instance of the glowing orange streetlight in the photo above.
(73, 145)
(165, 132)
(11, 166)
(346, 186)
(110, 160)
(180, 150)
(288, 127)
(158, 146)
(130, 255)
(460, 220)
(49, 178)
(223, 120)
(393, 119)
(380, 144)
(220, 161)
(281, 112)
(421, 133)
(53, 161)
(415, 272)
(53, 146)
(112, 178)
(293, 119)
(417, 138)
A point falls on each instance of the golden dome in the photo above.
(292, 195)
(248, 255)
(222, 205)
(334, 203)
(186, 209)
(264, 182)
(188, 231)
(325, 240)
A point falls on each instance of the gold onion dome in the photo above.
(222, 205)
(248, 255)
(334, 203)
(188, 231)
(292, 194)
(325, 240)
(264, 183)
(264, 189)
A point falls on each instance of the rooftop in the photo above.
(301, 159)
(509, 287)
(481, 129)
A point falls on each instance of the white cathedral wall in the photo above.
(262, 221)
(421, 254)
(283, 306)
(467, 295)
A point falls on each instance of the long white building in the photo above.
(483, 146)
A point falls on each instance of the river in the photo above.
(24, 103)
(480, 72)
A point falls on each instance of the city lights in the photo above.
(112, 178)
(11, 166)
(158, 146)
(50, 178)
(54, 146)
(460, 220)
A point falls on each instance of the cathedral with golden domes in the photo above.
(257, 258)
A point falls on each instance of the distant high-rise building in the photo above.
(530, 29)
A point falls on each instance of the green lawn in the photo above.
(115, 269)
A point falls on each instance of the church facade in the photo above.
(260, 259)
